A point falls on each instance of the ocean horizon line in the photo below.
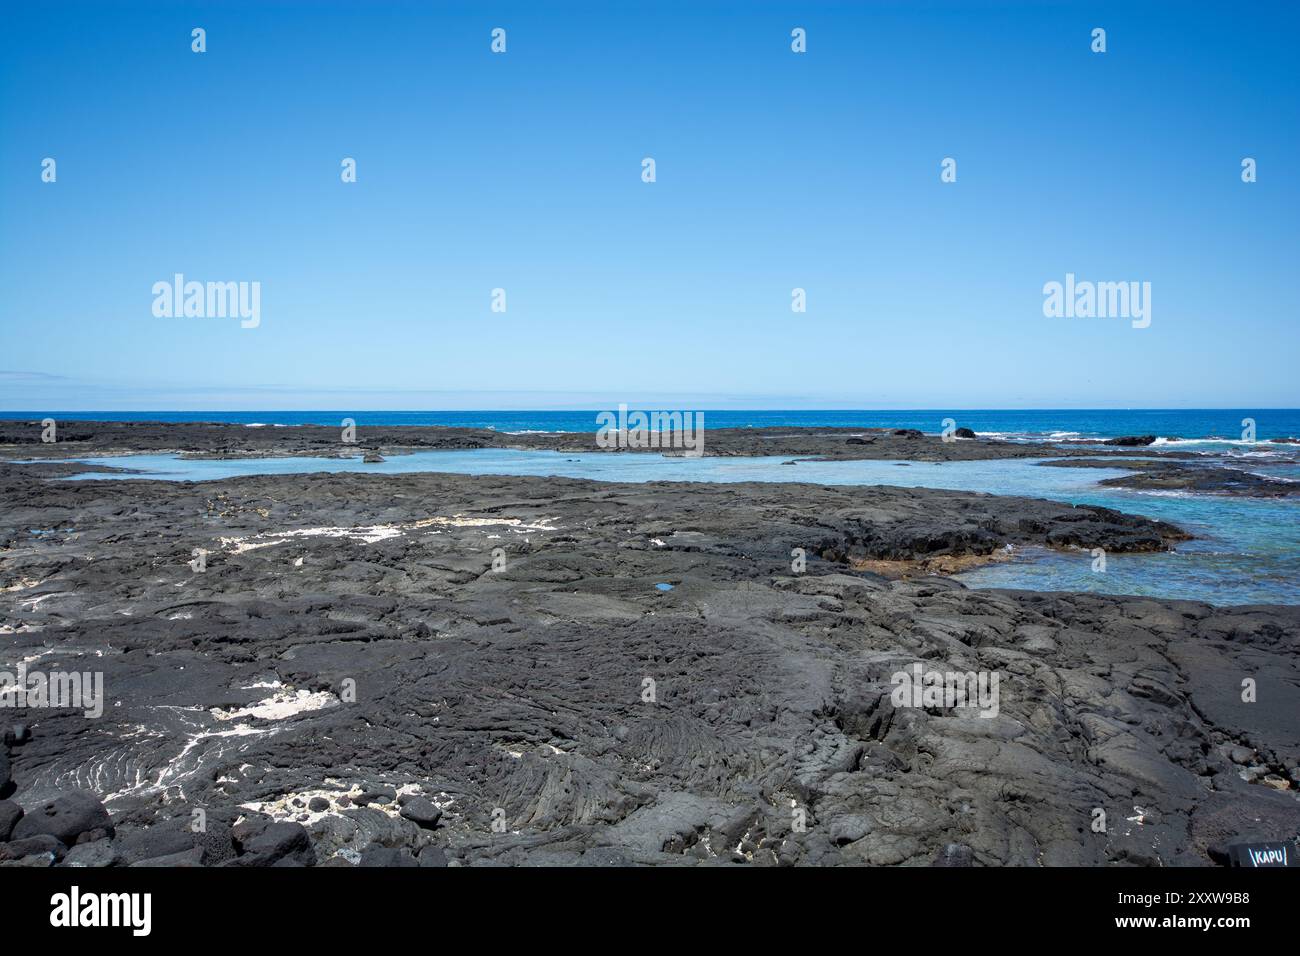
(649, 406)
(1237, 426)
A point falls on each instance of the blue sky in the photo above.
(522, 171)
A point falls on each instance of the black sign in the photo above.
(1263, 854)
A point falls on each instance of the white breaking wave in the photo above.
(1206, 441)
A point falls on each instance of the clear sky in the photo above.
(522, 171)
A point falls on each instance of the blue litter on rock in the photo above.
(664, 587)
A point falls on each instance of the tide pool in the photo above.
(1246, 550)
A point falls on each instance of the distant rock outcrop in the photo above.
(1131, 441)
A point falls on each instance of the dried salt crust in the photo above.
(280, 706)
(283, 807)
(370, 534)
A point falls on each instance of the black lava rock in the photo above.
(155, 841)
(1130, 441)
(10, 814)
(75, 817)
(188, 858)
(97, 853)
(38, 845)
(421, 811)
(432, 856)
(387, 856)
(277, 843)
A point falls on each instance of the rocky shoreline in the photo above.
(1207, 478)
(431, 670)
(224, 440)
(1162, 470)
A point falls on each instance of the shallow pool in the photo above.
(1246, 550)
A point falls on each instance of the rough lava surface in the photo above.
(431, 670)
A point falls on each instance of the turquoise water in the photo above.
(1001, 476)
(1246, 551)
(1065, 424)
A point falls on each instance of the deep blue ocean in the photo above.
(1061, 424)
